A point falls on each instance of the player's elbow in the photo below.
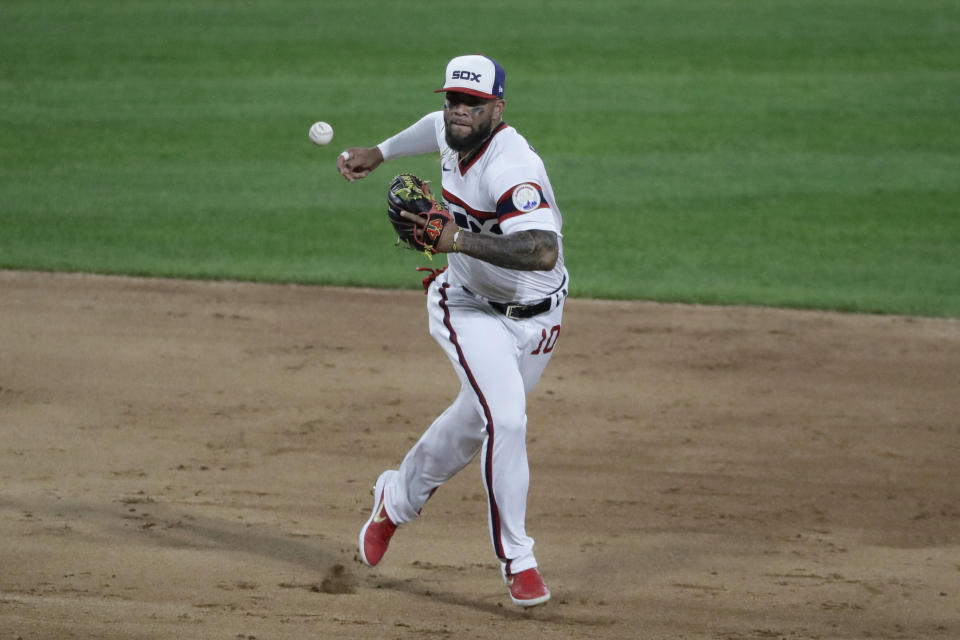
(549, 252)
(548, 259)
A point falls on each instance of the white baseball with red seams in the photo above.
(320, 133)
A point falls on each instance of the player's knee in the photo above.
(510, 423)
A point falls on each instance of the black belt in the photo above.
(516, 311)
(522, 311)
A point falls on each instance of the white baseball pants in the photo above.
(499, 360)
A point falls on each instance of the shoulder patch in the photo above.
(526, 197)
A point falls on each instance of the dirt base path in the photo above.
(193, 460)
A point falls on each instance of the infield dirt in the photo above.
(193, 460)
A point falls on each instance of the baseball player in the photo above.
(496, 312)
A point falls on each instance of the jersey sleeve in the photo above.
(521, 204)
(417, 139)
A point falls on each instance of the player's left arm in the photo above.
(529, 241)
(528, 250)
(531, 250)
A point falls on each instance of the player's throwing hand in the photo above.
(358, 162)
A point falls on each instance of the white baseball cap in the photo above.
(477, 75)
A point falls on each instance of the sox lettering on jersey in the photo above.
(469, 218)
(524, 198)
(466, 221)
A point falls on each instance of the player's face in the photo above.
(469, 119)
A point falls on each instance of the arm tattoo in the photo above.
(533, 250)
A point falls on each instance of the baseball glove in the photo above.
(409, 193)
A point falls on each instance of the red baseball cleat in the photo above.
(527, 588)
(376, 533)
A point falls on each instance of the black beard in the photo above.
(473, 140)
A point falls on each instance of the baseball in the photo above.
(321, 133)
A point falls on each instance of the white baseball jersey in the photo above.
(503, 189)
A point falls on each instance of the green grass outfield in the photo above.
(801, 153)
